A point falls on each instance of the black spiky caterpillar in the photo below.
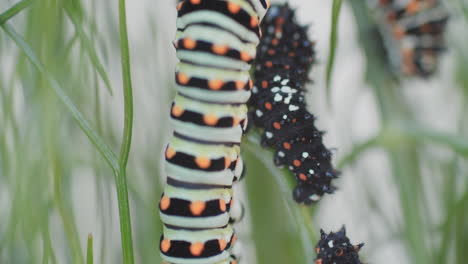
(413, 31)
(335, 248)
(284, 58)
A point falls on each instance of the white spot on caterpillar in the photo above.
(278, 98)
(315, 198)
(277, 78)
(288, 100)
(293, 107)
(268, 134)
(281, 154)
(258, 113)
(255, 89)
(286, 89)
(311, 171)
(305, 155)
(284, 82)
(330, 243)
(275, 89)
(285, 117)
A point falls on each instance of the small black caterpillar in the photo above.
(284, 58)
(335, 248)
(413, 32)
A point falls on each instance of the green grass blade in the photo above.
(121, 180)
(88, 46)
(89, 252)
(14, 10)
(456, 143)
(333, 43)
(357, 150)
(102, 147)
(301, 216)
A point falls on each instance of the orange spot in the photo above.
(413, 7)
(271, 51)
(177, 110)
(170, 153)
(220, 49)
(195, 2)
(165, 203)
(268, 105)
(233, 8)
(203, 162)
(197, 248)
(183, 79)
(222, 205)
(253, 22)
(197, 207)
(222, 244)
(276, 125)
(268, 3)
(294, 120)
(165, 245)
(240, 85)
(287, 67)
(250, 84)
(233, 262)
(234, 239)
(303, 177)
(286, 145)
(179, 6)
(275, 42)
(280, 21)
(407, 63)
(215, 84)
(210, 120)
(235, 121)
(292, 54)
(317, 250)
(231, 202)
(227, 162)
(398, 32)
(297, 163)
(269, 64)
(245, 56)
(189, 43)
(319, 261)
(339, 252)
(264, 84)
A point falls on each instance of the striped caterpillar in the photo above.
(284, 58)
(413, 32)
(335, 248)
(216, 43)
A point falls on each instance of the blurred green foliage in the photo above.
(58, 85)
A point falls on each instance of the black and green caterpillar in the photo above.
(216, 43)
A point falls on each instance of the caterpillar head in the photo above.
(335, 248)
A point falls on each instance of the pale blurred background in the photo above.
(406, 197)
